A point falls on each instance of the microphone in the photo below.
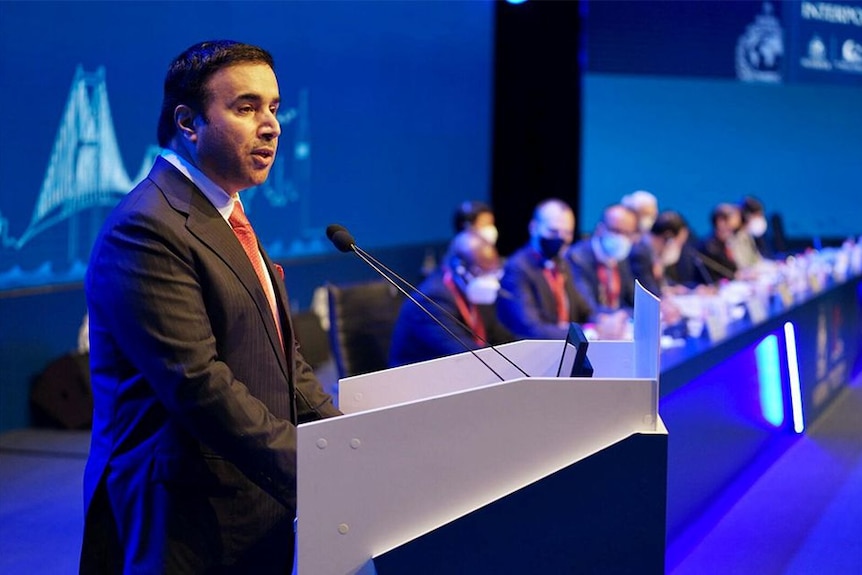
(343, 240)
(701, 258)
(339, 236)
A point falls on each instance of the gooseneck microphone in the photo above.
(700, 259)
(343, 240)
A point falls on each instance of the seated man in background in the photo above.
(476, 216)
(675, 251)
(641, 259)
(466, 286)
(600, 265)
(539, 299)
(645, 206)
(716, 250)
(755, 225)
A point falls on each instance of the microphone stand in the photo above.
(702, 261)
(368, 258)
(342, 240)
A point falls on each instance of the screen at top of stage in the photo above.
(385, 116)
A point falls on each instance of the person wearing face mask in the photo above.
(675, 249)
(754, 222)
(600, 264)
(478, 217)
(466, 285)
(717, 250)
(641, 258)
(645, 205)
(539, 298)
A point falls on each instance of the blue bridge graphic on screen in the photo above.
(86, 177)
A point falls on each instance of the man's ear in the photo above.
(184, 117)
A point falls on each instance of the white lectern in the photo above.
(440, 467)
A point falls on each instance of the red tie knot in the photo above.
(237, 216)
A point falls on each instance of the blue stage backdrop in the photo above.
(386, 110)
(704, 102)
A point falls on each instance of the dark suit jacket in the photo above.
(719, 263)
(193, 456)
(417, 337)
(641, 262)
(526, 305)
(585, 273)
(690, 270)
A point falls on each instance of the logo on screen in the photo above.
(816, 59)
(760, 49)
(851, 56)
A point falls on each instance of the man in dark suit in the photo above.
(539, 299)
(600, 264)
(465, 285)
(716, 250)
(198, 384)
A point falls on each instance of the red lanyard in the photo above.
(557, 282)
(467, 310)
(609, 286)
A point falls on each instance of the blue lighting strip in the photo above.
(793, 369)
(769, 378)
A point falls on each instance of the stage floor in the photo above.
(802, 516)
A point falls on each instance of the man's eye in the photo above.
(246, 109)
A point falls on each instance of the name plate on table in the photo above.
(757, 309)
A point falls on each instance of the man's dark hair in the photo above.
(467, 213)
(668, 224)
(722, 211)
(749, 205)
(188, 74)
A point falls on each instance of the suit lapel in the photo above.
(207, 224)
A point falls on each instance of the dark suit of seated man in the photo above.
(716, 250)
(539, 300)
(466, 286)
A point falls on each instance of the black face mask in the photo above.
(550, 247)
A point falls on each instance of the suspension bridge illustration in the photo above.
(86, 176)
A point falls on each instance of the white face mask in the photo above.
(757, 226)
(482, 290)
(488, 233)
(670, 254)
(616, 246)
(645, 223)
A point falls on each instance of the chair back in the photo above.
(361, 320)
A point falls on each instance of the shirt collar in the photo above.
(219, 198)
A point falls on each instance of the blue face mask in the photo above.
(616, 246)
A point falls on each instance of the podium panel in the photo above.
(604, 514)
(429, 445)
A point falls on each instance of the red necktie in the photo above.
(245, 234)
(557, 282)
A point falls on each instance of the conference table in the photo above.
(732, 403)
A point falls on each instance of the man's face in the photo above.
(622, 222)
(237, 135)
(554, 222)
(487, 261)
